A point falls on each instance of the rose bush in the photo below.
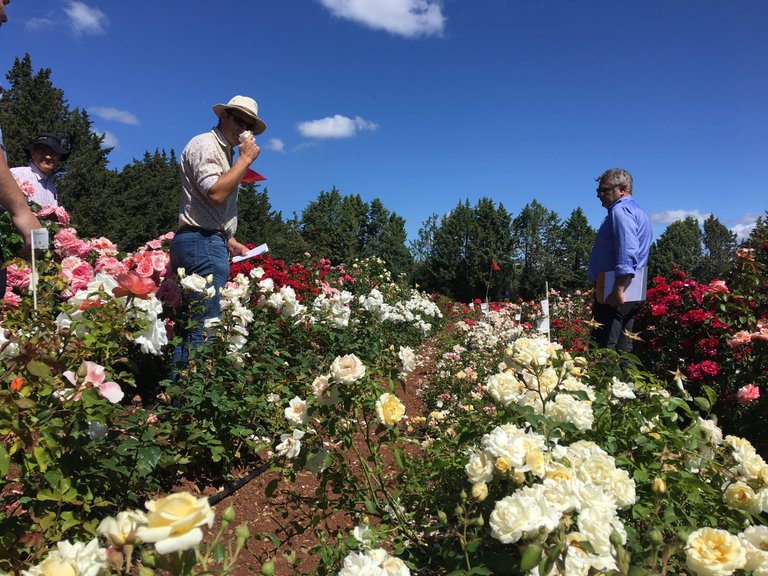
(538, 458)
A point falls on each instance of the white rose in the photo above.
(714, 552)
(504, 388)
(121, 529)
(525, 512)
(296, 413)
(755, 542)
(78, 559)
(173, 522)
(480, 467)
(246, 135)
(622, 390)
(324, 392)
(408, 358)
(347, 369)
(194, 283)
(290, 444)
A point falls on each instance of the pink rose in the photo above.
(159, 260)
(67, 243)
(132, 284)
(739, 339)
(18, 277)
(104, 246)
(145, 268)
(62, 215)
(747, 394)
(761, 334)
(111, 266)
(717, 286)
(11, 298)
(26, 187)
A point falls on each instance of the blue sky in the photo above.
(423, 103)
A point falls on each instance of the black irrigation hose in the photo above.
(230, 489)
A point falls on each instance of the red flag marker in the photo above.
(251, 176)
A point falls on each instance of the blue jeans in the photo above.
(202, 253)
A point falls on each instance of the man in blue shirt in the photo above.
(619, 259)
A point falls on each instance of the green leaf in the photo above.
(39, 369)
(5, 461)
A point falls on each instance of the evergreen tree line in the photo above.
(471, 252)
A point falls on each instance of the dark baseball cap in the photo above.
(50, 140)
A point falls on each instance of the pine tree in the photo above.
(537, 233)
(679, 246)
(719, 248)
(573, 252)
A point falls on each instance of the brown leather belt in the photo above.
(205, 231)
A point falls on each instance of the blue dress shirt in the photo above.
(623, 241)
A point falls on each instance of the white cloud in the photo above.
(669, 216)
(110, 140)
(113, 114)
(85, 20)
(276, 145)
(744, 226)
(337, 126)
(409, 18)
(38, 24)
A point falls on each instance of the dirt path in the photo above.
(288, 513)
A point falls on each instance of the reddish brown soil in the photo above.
(292, 505)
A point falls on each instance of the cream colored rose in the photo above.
(479, 468)
(389, 409)
(502, 465)
(324, 392)
(755, 542)
(173, 522)
(347, 369)
(121, 529)
(72, 559)
(480, 491)
(504, 388)
(52, 566)
(740, 495)
(714, 552)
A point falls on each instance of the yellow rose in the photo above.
(714, 552)
(173, 522)
(658, 486)
(389, 409)
(502, 465)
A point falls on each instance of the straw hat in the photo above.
(245, 105)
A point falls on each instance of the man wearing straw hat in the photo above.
(11, 197)
(208, 204)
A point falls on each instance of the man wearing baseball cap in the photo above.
(11, 197)
(208, 204)
(46, 153)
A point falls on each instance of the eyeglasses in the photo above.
(605, 189)
(240, 121)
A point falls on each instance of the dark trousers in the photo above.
(614, 323)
